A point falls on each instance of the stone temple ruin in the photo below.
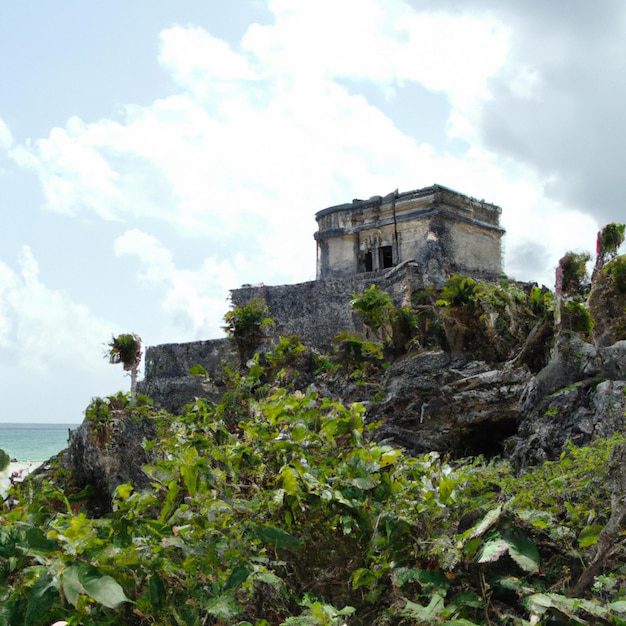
(401, 243)
(434, 224)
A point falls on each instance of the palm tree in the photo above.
(126, 349)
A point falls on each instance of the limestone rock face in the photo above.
(491, 377)
(607, 306)
(107, 453)
(167, 379)
(457, 407)
(578, 397)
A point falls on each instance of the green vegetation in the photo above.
(248, 325)
(377, 308)
(5, 459)
(541, 301)
(572, 273)
(577, 318)
(126, 349)
(294, 516)
(611, 237)
(458, 291)
(285, 351)
(395, 327)
(198, 370)
(358, 356)
(277, 506)
(617, 270)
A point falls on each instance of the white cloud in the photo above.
(6, 139)
(40, 326)
(263, 135)
(193, 57)
(193, 299)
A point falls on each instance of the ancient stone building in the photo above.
(434, 224)
(401, 243)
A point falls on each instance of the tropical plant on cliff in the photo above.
(458, 291)
(616, 268)
(248, 325)
(572, 275)
(126, 349)
(609, 240)
(396, 326)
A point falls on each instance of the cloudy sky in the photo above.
(155, 154)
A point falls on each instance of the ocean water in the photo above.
(34, 443)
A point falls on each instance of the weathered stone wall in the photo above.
(318, 310)
(167, 379)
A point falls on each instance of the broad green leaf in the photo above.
(170, 500)
(424, 614)
(539, 519)
(277, 537)
(347, 610)
(123, 491)
(363, 577)
(157, 591)
(190, 478)
(523, 550)
(237, 577)
(364, 483)
(189, 470)
(299, 431)
(38, 542)
(539, 603)
(483, 526)
(589, 535)
(317, 608)
(40, 599)
(446, 487)
(389, 457)
(493, 550)
(619, 606)
(72, 587)
(103, 589)
(271, 579)
(403, 575)
(472, 546)
(339, 497)
(198, 370)
(289, 479)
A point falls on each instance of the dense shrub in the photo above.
(611, 237)
(297, 517)
(576, 318)
(572, 275)
(396, 327)
(458, 291)
(617, 270)
(4, 460)
(248, 325)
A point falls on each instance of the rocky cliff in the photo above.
(486, 372)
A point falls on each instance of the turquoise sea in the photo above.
(34, 442)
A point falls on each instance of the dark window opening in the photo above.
(385, 257)
(369, 261)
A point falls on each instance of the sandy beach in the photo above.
(22, 469)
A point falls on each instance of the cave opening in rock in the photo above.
(486, 437)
